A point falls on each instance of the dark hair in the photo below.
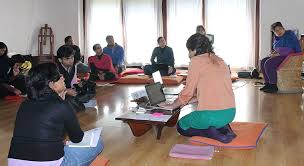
(276, 24)
(3, 45)
(200, 43)
(66, 39)
(65, 52)
(18, 58)
(200, 27)
(95, 46)
(109, 36)
(158, 39)
(38, 79)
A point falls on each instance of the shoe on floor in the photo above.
(272, 89)
(265, 87)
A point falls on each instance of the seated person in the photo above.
(11, 81)
(81, 67)
(66, 66)
(285, 42)
(200, 29)
(101, 65)
(209, 84)
(116, 52)
(42, 121)
(164, 59)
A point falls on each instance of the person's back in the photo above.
(213, 80)
(39, 129)
(42, 122)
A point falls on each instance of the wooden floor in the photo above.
(282, 143)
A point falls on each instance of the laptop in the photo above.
(156, 96)
(167, 91)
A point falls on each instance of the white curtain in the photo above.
(142, 26)
(182, 18)
(232, 22)
(103, 17)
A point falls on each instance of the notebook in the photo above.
(90, 139)
(192, 152)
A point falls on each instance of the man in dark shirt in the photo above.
(66, 66)
(81, 67)
(162, 59)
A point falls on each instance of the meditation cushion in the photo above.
(132, 71)
(134, 79)
(289, 74)
(248, 135)
(100, 161)
(170, 80)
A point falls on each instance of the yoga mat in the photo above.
(248, 136)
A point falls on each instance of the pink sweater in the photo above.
(209, 78)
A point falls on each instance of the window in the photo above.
(183, 17)
(232, 22)
(142, 26)
(103, 18)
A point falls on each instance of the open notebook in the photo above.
(90, 139)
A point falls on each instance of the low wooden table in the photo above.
(141, 123)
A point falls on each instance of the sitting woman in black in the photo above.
(11, 82)
(43, 120)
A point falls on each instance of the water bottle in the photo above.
(302, 72)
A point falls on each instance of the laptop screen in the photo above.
(155, 93)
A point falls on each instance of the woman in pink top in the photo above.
(101, 65)
(209, 84)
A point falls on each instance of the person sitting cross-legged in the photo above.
(101, 65)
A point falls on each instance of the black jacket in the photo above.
(40, 127)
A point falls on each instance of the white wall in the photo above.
(288, 12)
(22, 19)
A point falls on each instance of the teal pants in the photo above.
(205, 119)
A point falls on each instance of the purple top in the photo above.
(16, 162)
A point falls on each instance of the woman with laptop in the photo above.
(209, 84)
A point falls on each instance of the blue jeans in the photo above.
(75, 156)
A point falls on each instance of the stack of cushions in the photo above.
(134, 79)
(132, 71)
(289, 74)
(170, 80)
(136, 76)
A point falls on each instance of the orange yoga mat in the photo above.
(248, 136)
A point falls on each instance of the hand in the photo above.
(273, 54)
(101, 76)
(166, 106)
(176, 104)
(71, 92)
(170, 70)
(62, 94)
(17, 91)
(193, 100)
